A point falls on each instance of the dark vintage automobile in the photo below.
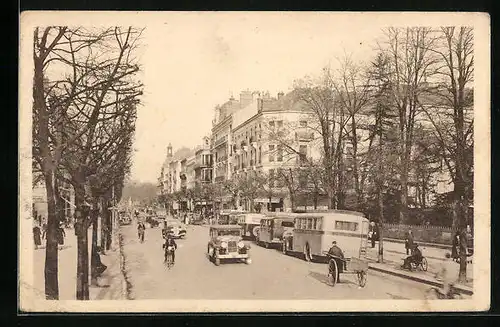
(226, 243)
(153, 221)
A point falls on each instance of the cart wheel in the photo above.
(424, 264)
(307, 253)
(362, 278)
(332, 272)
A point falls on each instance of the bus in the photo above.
(314, 233)
(273, 229)
(228, 217)
(250, 223)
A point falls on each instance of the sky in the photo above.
(191, 63)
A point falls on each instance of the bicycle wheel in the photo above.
(362, 278)
(424, 264)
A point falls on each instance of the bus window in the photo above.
(346, 225)
(287, 223)
(319, 224)
(314, 223)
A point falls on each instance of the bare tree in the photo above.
(353, 91)
(412, 63)
(452, 119)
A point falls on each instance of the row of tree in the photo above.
(85, 98)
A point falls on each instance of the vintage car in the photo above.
(174, 228)
(225, 243)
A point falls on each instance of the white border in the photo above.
(481, 298)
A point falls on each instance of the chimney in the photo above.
(246, 97)
(280, 95)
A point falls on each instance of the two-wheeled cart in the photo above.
(337, 266)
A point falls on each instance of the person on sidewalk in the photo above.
(409, 243)
(455, 247)
(447, 275)
(141, 228)
(60, 234)
(36, 236)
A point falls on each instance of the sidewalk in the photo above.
(110, 283)
(394, 253)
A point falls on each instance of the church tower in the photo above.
(169, 151)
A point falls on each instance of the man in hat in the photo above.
(338, 256)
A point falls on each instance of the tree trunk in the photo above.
(459, 219)
(94, 216)
(82, 269)
(51, 250)
(403, 213)
(380, 226)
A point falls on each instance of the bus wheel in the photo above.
(307, 253)
(266, 245)
(283, 247)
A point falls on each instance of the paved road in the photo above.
(271, 275)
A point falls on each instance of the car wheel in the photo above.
(217, 260)
(248, 261)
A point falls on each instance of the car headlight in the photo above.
(241, 244)
(223, 244)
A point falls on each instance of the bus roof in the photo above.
(225, 227)
(331, 211)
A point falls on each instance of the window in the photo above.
(271, 153)
(280, 123)
(346, 225)
(280, 153)
(260, 154)
(303, 123)
(287, 224)
(271, 124)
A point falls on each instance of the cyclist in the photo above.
(170, 242)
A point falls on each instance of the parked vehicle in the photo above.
(229, 217)
(250, 222)
(226, 243)
(125, 220)
(273, 229)
(314, 233)
(175, 228)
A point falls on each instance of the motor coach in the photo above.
(273, 229)
(250, 223)
(314, 233)
(229, 217)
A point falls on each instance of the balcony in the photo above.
(221, 140)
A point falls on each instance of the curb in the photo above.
(459, 288)
(126, 285)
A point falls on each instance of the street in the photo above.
(271, 275)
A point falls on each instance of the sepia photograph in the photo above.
(254, 162)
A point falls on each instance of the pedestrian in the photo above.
(141, 228)
(44, 230)
(448, 275)
(409, 242)
(60, 234)
(36, 236)
(455, 247)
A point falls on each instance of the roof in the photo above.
(225, 227)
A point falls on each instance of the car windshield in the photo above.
(229, 232)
